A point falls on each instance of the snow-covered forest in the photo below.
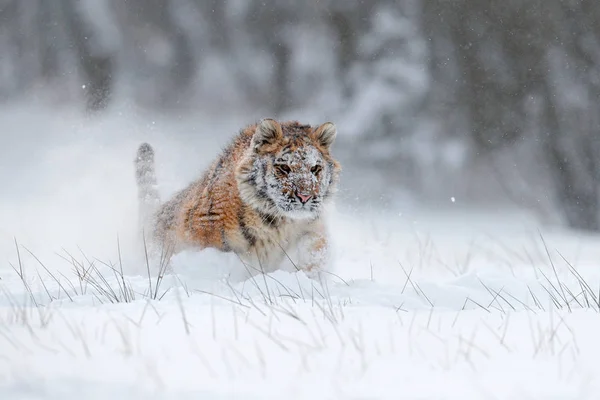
(465, 234)
(433, 94)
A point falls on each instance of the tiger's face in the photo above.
(288, 170)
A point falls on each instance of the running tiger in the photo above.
(262, 198)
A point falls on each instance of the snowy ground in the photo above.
(424, 304)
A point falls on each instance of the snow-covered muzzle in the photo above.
(296, 182)
(292, 184)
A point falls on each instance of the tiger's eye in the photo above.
(316, 169)
(283, 168)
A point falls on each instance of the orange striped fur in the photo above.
(262, 198)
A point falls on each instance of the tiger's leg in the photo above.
(313, 253)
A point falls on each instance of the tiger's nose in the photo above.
(303, 197)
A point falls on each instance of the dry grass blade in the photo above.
(535, 299)
(555, 272)
(477, 304)
(586, 288)
(21, 274)
(252, 279)
(125, 292)
(49, 273)
(25, 284)
(238, 303)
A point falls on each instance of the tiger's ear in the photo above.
(268, 131)
(325, 134)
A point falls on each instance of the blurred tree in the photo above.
(500, 73)
(349, 23)
(216, 13)
(96, 63)
(270, 22)
(570, 117)
(158, 50)
(47, 21)
(18, 64)
(496, 61)
(480, 59)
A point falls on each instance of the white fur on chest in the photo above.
(277, 244)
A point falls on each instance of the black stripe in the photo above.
(226, 246)
(209, 186)
(269, 220)
(250, 238)
(250, 178)
(215, 174)
(262, 194)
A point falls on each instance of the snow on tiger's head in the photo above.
(288, 170)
